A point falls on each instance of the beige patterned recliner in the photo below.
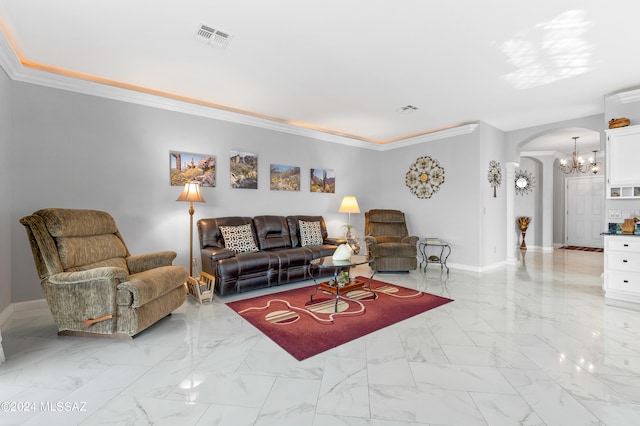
(93, 285)
(389, 242)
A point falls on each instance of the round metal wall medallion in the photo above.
(424, 177)
(494, 175)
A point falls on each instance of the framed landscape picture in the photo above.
(323, 180)
(185, 167)
(284, 178)
(243, 170)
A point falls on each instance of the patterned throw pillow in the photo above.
(238, 238)
(310, 233)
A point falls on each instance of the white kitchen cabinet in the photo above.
(623, 173)
(622, 269)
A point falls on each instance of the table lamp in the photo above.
(349, 205)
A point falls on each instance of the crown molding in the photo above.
(8, 59)
(16, 71)
(463, 129)
(628, 96)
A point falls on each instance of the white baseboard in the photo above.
(21, 306)
(5, 314)
(475, 268)
(18, 307)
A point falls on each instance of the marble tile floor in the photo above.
(531, 344)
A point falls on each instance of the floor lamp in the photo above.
(191, 193)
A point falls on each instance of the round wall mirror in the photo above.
(523, 182)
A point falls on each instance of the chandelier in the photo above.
(577, 164)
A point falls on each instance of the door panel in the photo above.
(585, 211)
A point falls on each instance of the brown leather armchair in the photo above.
(388, 240)
(91, 282)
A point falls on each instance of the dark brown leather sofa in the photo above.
(281, 258)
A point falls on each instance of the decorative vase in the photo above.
(352, 239)
(523, 224)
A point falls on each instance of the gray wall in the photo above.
(493, 210)
(80, 151)
(530, 204)
(451, 214)
(5, 190)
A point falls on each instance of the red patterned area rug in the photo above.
(599, 250)
(304, 328)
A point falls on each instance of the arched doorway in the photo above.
(547, 144)
(572, 204)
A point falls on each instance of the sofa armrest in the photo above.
(411, 240)
(144, 262)
(96, 274)
(146, 286)
(217, 253)
(335, 241)
(372, 246)
(371, 243)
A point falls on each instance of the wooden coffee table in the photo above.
(334, 286)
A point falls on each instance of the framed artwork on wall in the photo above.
(186, 167)
(284, 178)
(243, 170)
(322, 180)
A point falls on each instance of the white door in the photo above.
(584, 204)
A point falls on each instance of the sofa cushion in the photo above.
(77, 223)
(386, 216)
(396, 250)
(209, 229)
(239, 238)
(245, 266)
(294, 227)
(76, 252)
(310, 233)
(272, 232)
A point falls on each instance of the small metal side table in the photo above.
(434, 242)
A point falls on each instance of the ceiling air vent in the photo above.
(407, 109)
(213, 37)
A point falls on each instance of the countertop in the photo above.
(619, 234)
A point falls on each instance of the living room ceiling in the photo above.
(352, 68)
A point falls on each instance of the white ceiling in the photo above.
(345, 67)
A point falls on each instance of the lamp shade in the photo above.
(191, 192)
(349, 205)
